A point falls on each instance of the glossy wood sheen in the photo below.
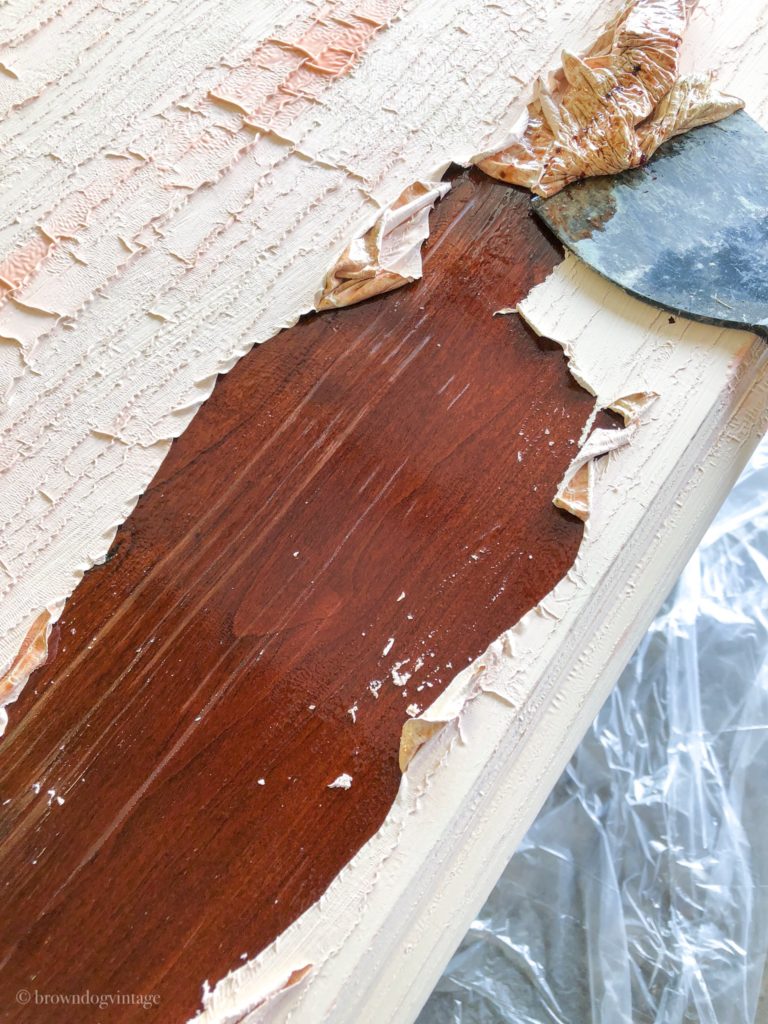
(410, 446)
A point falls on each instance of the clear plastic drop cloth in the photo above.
(640, 893)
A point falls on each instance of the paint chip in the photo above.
(388, 647)
(344, 781)
(400, 678)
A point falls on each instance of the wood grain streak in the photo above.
(410, 446)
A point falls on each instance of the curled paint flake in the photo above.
(691, 102)
(611, 109)
(343, 781)
(415, 733)
(32, 653)
(576, 489)
(388, 255)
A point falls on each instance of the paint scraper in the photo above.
(688, 231)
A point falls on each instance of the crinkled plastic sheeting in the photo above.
(641, 891)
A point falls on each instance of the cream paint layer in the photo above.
(372, 947)
(162, 216)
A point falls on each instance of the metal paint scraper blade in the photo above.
(688, 231)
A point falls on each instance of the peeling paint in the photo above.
(698, 398)
(388, 255)
(204, 214)
(235, 262)
(612, 108)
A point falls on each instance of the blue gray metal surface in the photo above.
(688, 231)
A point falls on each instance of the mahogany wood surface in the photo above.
(411, 445)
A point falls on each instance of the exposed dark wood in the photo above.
(410, 445)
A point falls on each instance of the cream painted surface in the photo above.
(378, 938)
(157, 226)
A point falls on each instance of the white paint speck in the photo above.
(312, 707)
(413, 710)
(344, 781)
(243, 956)
(261, 782)
(36, 787)
(388, 647)
(374, 686)
(352, 712)
(402, 596)
(400, 678)
(295, 554)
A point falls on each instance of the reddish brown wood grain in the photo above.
(408, 446)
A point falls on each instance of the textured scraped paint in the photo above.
(697, 400)
(180, 180)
